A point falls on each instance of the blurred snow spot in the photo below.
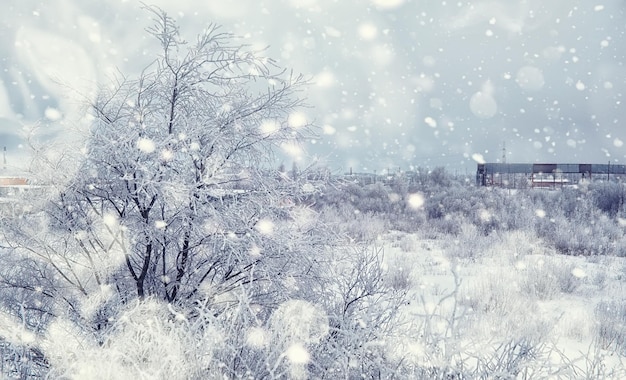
(300, 321)
(306, 4)
(429, 61)
(540, 213)
(325, 79)
(257, 337)
(537, 145)
(265, 226)
(167, 155)
(478, 158)
(530, 78)
(58, 63)
(424, 83)
(308, 188)
(416, 201)
(329, 129)
(160, 224)
(332, 32)
(482, 103)
(489, 33)
(571, 143)
(109, 220)
(292, 148)
(520, 265)
(367, 31)
(13, 331)
(395, 197)
(53, 114)
(146, 145)
(436, 103)
(387, 4)
(604, 43)
(226, 9)
(618, 143)
(484, 215)
(91, 28)
(93, 303)
(308, 43)
(430, 122)
(578, 273)
(269, 126)
(608, 85)
(255, 251)
(553, 53)
(297, 354)
(382, 55)
(211, 226)
(580, 86)
(598, 8)
(297, 120)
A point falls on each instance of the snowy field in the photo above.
(518, 295)
(188, 212)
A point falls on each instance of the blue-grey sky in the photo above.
(397, 83)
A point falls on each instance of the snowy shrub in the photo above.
(611, 325)
(497, 295)
(468, 243)
(594, 236)
(407, 242)
(545, 278)
(608, 197)
(517, 244)
(365, 227)
(144, 341)
(450, 225)
(362, 308)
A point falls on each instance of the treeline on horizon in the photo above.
(585, 219)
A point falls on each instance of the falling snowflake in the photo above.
(146, 145)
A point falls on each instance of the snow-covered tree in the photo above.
(175, 198)
(175, 181)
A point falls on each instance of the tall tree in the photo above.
(174, 198)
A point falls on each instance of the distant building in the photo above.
(544, 175)
(10, 188)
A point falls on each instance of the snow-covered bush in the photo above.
(611, 325)
(608, 197)
(546, 278)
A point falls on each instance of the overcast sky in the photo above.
(398, 83)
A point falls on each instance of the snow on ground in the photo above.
(517, 290)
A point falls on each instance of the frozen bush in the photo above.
(546, 278)
(608, 197)
(611, 325)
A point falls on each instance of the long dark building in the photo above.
(544, 175)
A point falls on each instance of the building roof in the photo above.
(497, 167)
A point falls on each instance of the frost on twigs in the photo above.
(296, 325)
(299, 321)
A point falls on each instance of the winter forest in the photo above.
(170, 222)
